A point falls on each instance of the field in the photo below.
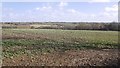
(57, 47)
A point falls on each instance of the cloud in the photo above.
(72, 10)
(43, 8)
(37, 8)
(54, 13)
(110, 13)
(62, 4)
(46, 8)
(113, 8)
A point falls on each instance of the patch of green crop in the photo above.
(49, 46)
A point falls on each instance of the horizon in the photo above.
(61, 22)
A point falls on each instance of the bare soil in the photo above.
(105, 57)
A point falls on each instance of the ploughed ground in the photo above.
(105, 57)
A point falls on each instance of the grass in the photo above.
(50, 40)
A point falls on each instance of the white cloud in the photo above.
(50, 13)
(44, 8)
(62, 4)
(113, 8)
(110, 13)
(72, 10)
(37, 8)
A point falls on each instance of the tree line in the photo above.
(113, 26)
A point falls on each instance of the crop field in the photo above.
(57, 47)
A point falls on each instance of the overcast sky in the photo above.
(60, 11)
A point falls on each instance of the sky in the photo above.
(60, 11)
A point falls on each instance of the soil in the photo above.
(105, 57)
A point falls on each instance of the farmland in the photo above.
(59, 47)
